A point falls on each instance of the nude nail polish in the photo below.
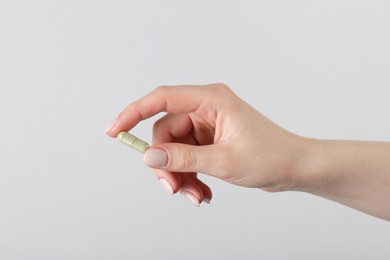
(166, 185)
(111, 125)
(191, 198)
(155, 158)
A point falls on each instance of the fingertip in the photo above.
(110, 134)
(173, 180)
(175, 185)
(191, 197)
(191, 190)
(118, 125)
(155, 158)
(207, 193)
(167, 186)
(110, 127)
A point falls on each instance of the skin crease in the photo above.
(209, 129)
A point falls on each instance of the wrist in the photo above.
(306, 169)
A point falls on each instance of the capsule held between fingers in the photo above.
(132, 141)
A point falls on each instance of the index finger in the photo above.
(170, 99)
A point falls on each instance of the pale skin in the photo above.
(209, 129)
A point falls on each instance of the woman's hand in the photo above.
(208, 129)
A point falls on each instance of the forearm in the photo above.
(353, 173)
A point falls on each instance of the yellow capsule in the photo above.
(132, 141)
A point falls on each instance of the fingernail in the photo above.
(166, 185)
(111, 125)
(155, 158)
(191, 198)
(206, 201)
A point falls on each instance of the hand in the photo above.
(208, 129)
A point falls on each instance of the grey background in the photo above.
(67, 68)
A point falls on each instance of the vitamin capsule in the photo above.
(132, 141)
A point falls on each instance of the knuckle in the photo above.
(221, 87)
(160, 89)
(223, 92)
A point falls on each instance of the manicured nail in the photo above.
(111, 125)
(191, 198)
(166, 185)
(155, 158)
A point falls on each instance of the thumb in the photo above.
(178, 157)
